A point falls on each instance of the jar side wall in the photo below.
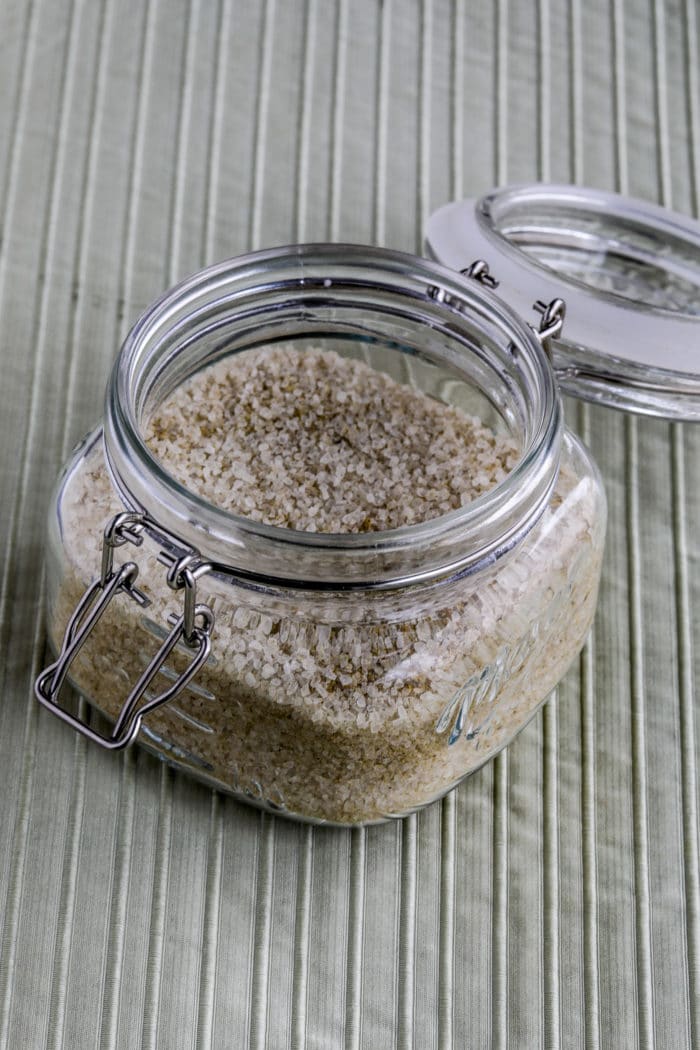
(356, 710)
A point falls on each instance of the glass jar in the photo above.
(336, 678)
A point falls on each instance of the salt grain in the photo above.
(291, 424)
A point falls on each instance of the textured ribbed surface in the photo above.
(554, 900)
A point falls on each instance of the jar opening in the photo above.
(408, 318)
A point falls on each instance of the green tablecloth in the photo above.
(554, 899)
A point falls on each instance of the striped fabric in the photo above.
(553, 901)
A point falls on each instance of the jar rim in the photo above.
(428, 293)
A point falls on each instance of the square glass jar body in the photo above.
(350, 678)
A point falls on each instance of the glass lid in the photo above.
(628, 271)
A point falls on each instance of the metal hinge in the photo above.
(552, 314)
(479, 271)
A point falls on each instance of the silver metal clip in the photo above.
(193, 627)
(479, 271)
(552, 316)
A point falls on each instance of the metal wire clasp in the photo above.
(552, 316)
(193, 627)
(479, 271)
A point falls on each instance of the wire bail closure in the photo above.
(193, 627)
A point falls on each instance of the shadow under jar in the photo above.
(341, 678)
